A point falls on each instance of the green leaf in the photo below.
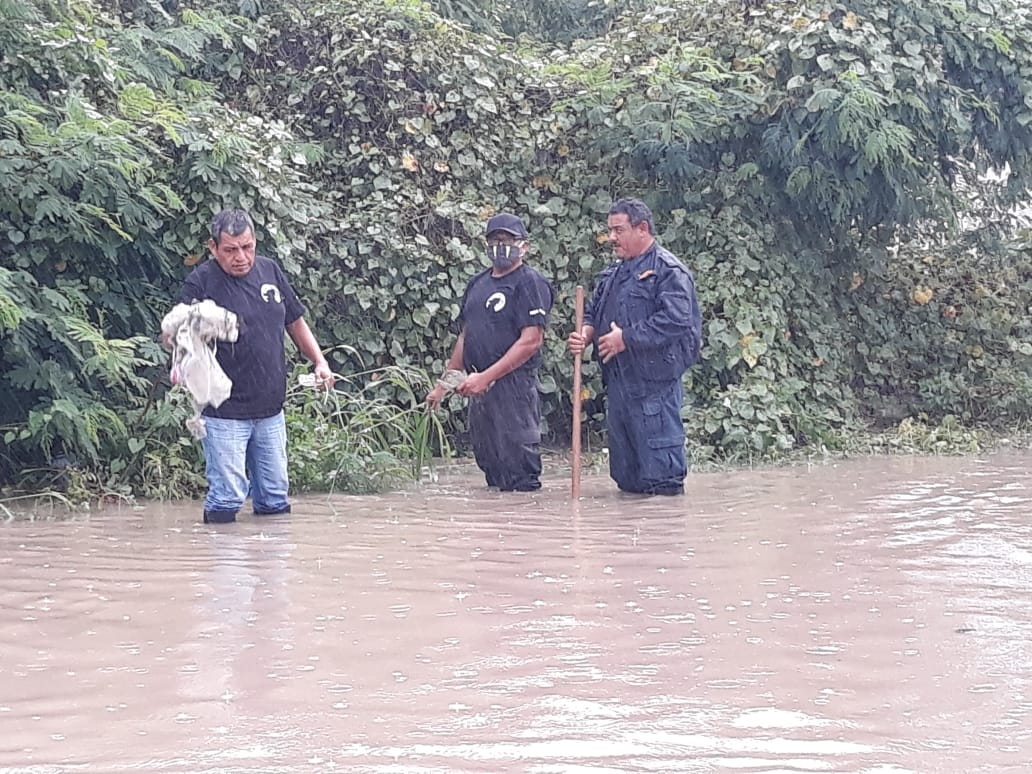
(823, 99)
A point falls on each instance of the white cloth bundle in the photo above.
(193, 330)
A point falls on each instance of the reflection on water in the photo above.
(871, 616)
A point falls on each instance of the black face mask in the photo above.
(503, 256)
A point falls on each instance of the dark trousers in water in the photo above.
(505, 427)
(646, 437)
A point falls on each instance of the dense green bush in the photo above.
(820, 166)
(373, 432)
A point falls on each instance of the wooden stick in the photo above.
(575, 440)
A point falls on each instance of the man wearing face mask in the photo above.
(504, 314)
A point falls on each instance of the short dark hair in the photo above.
(636, 210)
(232, 222)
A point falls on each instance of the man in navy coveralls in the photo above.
(644, 321)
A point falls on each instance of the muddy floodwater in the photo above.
(869, 616)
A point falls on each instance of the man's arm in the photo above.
(520, 352)
(673, 320)
(578, 341)
(303, 337)
(436, 395)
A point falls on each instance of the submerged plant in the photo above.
(372, 432)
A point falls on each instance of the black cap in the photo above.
(504, 221)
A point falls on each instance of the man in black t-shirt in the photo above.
(245, 446)
(504, 314)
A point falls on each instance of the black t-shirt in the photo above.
(264, 303)
(495, 310)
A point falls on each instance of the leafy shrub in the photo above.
(820, 166)
(359, 438)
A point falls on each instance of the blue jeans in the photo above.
(245, 457)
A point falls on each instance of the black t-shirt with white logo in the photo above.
(264, 303)
(495, 310)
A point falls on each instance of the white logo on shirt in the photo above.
(271, 294)
(536, 311)
(499, 302)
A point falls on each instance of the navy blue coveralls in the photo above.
(652, 298)
(505, 422)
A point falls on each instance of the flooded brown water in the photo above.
(871, 616)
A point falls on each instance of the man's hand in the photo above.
(474, 384)
(577, 343)
(435, 396)
(611, 344)
(324, 378)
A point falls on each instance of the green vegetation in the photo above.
(823, 167)
(372, 433)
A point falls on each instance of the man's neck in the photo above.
(496, 272)
(645, 250)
